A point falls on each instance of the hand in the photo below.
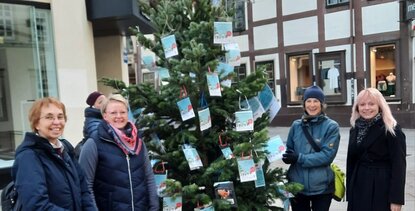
(395, 207)
(290, 157)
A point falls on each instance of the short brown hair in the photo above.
(35, 110)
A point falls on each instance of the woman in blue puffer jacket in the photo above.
(309, 167)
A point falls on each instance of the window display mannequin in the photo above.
(391, 78)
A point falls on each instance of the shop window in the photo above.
(330, 75)
(269, 67)
(383, 69)
(300, 76)
(336, 2)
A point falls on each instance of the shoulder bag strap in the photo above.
(310, 139)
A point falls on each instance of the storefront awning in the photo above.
(115, 17)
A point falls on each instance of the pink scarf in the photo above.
(129, 145)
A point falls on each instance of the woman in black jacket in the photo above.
(376, 157)
(45, 173)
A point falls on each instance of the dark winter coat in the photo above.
(117, 180)
(46, 181)
(93, 117)
(376, 169)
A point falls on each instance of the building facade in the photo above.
(60, 49)
(342, 46)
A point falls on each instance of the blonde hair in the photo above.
(114, 97)
(374, 94)
(35, 110)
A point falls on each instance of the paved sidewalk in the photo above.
(340, 160)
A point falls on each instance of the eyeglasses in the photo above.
(115, 113)
(51, 117)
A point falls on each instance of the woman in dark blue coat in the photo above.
(376, 157)
(116, 163)
(45, 173)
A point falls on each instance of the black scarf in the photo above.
(363, 126)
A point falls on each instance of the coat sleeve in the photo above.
(151, 183)
(30, 182)
(329, 146)
(88, 160)
(397, 144)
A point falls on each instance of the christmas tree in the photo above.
(197, 125)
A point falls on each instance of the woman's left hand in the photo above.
(396, 207)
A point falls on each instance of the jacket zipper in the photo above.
(131, 183)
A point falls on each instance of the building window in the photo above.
(383, 69)
(6, 22)
(239, 17)
(300, 76)
(336, 2)
(330, 75)
(269, 67)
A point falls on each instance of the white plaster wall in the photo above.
(337, 25)
(297, 6)
(265, 37)
(264, 9)
(242, 42)
(300, 31)
(380, 18)
(75, 61)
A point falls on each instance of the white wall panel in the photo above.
(297, 6)
(300, 31)
(266, 36)
(242, 42)
(337, 25)
(380, 18)
(264, 9)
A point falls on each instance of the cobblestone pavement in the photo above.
(340, 160)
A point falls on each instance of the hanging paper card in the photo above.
(163, 75)
(260, 178)
(226, 191)
(216, 3)
(160, 183)
(149, 62)
(186, 109)
(226, 83)
(213, 84)
(204, 119)
(224, 69)
(153, 161)
(256, 107)
(247, 170)
(233, 57)
(192, 157)
(169, 46)
(269, 102)
(231, 46)
(222, 32)
(275, 148)
(227, 153)
(244, 120)
(172, 204)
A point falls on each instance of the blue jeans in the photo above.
(319, 202)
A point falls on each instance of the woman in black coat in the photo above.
(376, 157)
